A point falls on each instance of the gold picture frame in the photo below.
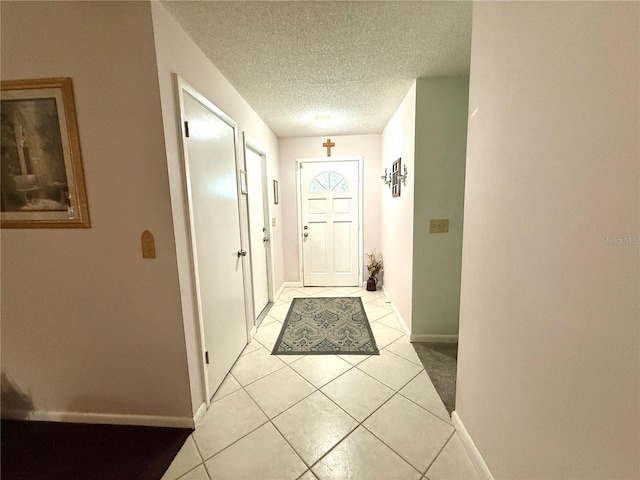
(42, 179)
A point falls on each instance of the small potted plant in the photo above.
(375, 266)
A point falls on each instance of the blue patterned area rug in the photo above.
(326, 325)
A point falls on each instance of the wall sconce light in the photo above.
(404, 176)
(386, 178)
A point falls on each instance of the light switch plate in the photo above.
(439, 226)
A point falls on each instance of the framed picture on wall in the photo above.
(42, 179)
(276, 196)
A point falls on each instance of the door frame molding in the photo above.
(181, 87)
(360, 160)
(246, 145)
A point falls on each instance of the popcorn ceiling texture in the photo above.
(354, 61)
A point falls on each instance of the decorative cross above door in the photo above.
(328, 144)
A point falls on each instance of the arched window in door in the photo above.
(329, 182)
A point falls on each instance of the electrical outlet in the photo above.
(439, 226)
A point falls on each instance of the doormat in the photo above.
(326, 325)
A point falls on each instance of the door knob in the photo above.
(242, 253)
(306, 234)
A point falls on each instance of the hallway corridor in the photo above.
(326, 416)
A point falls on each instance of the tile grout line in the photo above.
(440, 451)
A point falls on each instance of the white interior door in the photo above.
(210, 159)
(330, 213)
(258, 231)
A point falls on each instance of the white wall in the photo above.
(90, 329)
(309, 147)
(176, 53)
(398, 140)
(441, 140)
(548, 370)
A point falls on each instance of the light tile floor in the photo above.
(326, 417)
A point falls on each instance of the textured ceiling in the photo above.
(354, 61)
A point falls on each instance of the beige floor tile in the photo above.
(363, 456)
(391, 321)
(308, 291)
(369, 296)
(357, 393)
(228, 385)
(421, 391)
(268, 319)
(320, 369)
(263, 454)
(354, 359)
(198, 473)
(255, 365)
(382, 301)
(226, 421)
(290, 358)
(268, 334)
(279, 312)
(390, 369)
(314, 426)
(412, 432)
(308, 475)
(252, 346)
(374, 312)
(342, 290)
(279, 390)
(187, 459)
(384, 335)
(289, 294)
(327, 294)
(453, 463)
(404, 349)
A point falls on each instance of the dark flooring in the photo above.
(440, 362)
(69, 451)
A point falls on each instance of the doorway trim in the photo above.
(246, 145)
(181, 87)
(360, 160)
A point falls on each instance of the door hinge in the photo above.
(206, 357)
(186, 128)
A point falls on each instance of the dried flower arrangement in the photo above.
(374, 265)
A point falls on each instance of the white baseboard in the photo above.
(471, 449)
(279, 292)
(396, 312)
(252, 332)
(199, 414)
(100, 418)
(286, 285)
(419, 337)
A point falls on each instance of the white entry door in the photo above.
(258, 231)
(210, 158)
(330, 214)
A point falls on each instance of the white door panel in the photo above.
(215, 229)
(258, 231)
(329, 199)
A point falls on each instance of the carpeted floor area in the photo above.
(440, 362)
(69, 451)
